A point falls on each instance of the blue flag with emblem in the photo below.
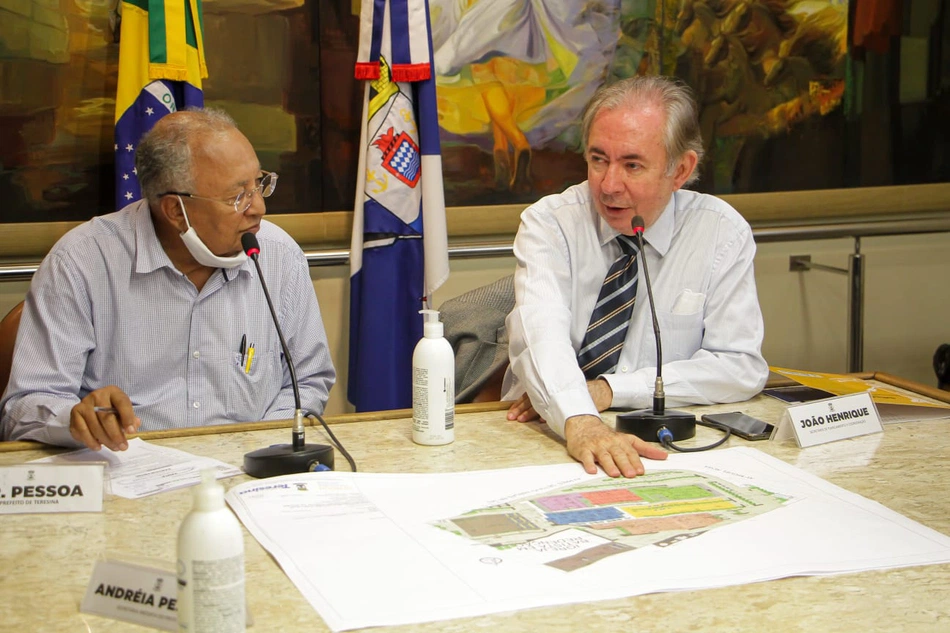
(161, 64)
(399, 250)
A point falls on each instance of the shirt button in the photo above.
(196, 404)
(623, 369)
(196, 353)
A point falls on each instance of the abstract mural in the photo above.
(513, 77)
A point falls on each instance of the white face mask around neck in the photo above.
(201, 252)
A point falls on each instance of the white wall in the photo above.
(907, 304)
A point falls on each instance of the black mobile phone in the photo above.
(745, 426)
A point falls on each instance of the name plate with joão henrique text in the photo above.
(830, 419)
(51, 488)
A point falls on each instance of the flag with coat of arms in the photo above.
(161, 64)
(399, 249)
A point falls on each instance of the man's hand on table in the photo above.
(96, 429)
(592, 442)
(523, 411)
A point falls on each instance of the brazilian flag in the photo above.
(161, 64)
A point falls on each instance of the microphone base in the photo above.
(282, 459)
(646, 423)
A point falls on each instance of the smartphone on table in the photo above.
(745, 426)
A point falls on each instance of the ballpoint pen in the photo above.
(243, 349)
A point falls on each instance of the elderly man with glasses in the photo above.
(153, 317)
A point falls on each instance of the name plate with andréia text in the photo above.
(133, 593)
(51, 488)
(831, 419)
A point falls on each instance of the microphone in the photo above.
(298, 456)
(656, 424)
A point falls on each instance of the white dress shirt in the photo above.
(699, 253)
(108, 307)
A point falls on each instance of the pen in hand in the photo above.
(115, 412)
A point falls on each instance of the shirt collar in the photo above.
(660, 234)
(149, 254)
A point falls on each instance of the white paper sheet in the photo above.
(368, 549)
(146, 469)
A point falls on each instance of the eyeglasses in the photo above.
(241, 202)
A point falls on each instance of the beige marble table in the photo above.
(47, 559)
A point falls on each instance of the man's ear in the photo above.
(169, 209)
(684, 168)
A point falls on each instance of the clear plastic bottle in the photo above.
(433, 385)
(210, 564)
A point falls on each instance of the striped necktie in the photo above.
(603, 341)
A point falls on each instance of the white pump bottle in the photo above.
(433, 385)
(211, 564)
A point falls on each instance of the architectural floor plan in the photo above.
(581, 524)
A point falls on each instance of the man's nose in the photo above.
(258, 206)
(612, 181)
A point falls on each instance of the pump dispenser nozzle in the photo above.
(432, 327)
(209, 494)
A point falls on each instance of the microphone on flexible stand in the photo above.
(656, 424)
(297, 457)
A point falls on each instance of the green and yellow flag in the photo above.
(161, 64)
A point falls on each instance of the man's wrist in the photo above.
(601, 393)
(578, 421)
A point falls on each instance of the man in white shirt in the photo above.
(642, 144)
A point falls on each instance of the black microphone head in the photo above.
(637, 224)
(250, 245)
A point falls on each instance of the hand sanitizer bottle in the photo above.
(433, 385)
(210, 564)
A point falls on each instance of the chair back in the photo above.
(475, 327)
(8, 329)
(942, 366)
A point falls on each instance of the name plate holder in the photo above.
(133, 593)
(49, 488)
(142, 592)
(830, 420)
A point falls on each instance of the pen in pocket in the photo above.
(250, 358)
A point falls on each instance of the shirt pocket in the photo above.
(682, 334)
(250, 391)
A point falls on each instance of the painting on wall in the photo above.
(59, 64)
(769, 76)
(513, 78)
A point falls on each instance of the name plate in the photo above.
(51, 488)
(832, 419)
(133, 593)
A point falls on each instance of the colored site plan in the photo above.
(579, 525)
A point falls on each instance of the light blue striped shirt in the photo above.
(107, 307)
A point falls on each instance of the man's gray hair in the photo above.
(164, 161)
(682, 117)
